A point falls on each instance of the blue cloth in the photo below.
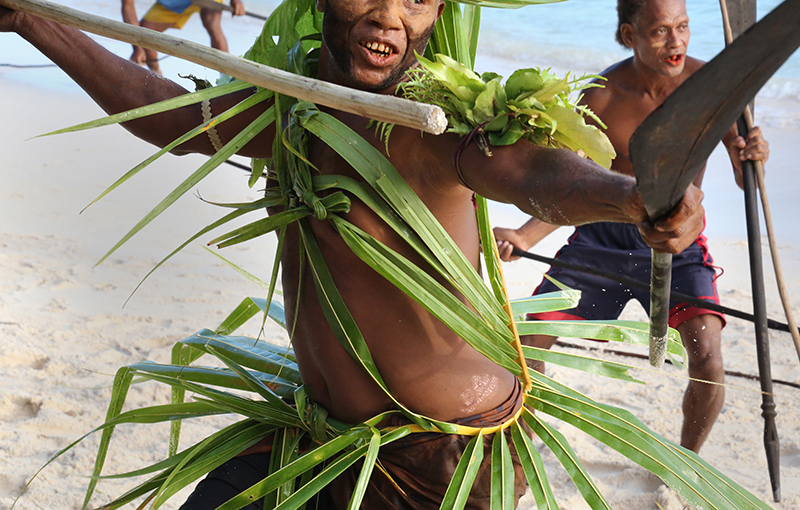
(619, 248)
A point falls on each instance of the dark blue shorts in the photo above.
(619, 248)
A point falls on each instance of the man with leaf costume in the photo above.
(392, 327)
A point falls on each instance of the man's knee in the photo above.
(701, 335)
(540, 341)
(212, 20)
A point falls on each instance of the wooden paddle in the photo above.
(389, 109)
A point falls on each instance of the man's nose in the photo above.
(387, 14)
(674, 38)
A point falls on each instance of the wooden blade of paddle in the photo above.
(674, 142)
(742, 15)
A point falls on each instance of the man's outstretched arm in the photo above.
(561, 188)
(117, 85)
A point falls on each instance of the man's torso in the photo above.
(426, 366)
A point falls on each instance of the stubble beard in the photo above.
(332, 30)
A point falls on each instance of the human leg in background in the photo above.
(702, 402)
(212, 21)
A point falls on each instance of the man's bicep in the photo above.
(513, 174)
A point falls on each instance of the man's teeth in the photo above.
(378, 47)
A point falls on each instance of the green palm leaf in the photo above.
(628, 332)
(258, 355)
(346, 330)
(549, 302)
(559, 445)
(582, 363)
(456, 33)
(215, 161)
(160, 107)
(382, 176)
(217, 448)
(620, 430)
(533, 465)
(503, 475)
(246, 310)
(206, 168)
(296, 468)
(464, 475)
(429, 293)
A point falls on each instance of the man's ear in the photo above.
(320, 4)
(440, 9)
(627, 31)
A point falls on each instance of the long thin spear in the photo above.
(773, 248)
(749, 173)
(389, 109)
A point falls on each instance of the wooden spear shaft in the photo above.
(759, 171)
(384, 108)
(768, 412)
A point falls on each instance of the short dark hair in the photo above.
(627, 12)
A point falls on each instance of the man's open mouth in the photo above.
(378, 48)
(674, 59)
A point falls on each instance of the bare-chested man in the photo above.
(658, 33)
(426, 366)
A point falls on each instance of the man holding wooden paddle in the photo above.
(369, 45)
(166, 14)
(658, 33)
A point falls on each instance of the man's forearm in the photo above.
(534, 230)
(122, 85)
(570, 190)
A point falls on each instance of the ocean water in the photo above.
(576, 35)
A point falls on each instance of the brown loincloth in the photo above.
(422, 464)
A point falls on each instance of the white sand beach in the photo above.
(64, 331)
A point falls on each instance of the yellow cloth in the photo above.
(160, 14)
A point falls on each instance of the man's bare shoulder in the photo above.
(616, 84)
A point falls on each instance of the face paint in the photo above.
(372, 43)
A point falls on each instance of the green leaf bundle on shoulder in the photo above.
(533, 104)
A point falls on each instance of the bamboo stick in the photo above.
(773, 248)
(384, 108)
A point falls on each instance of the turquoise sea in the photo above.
(576, 35)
